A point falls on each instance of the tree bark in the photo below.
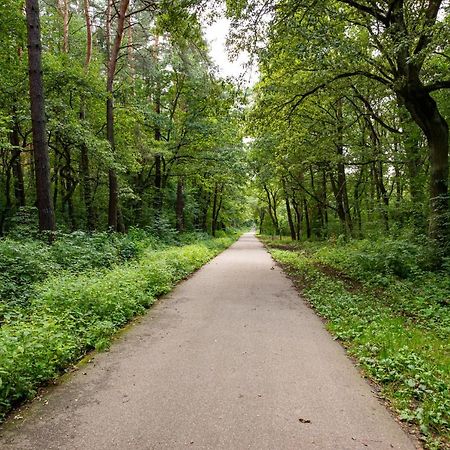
(113, 205)
(180, 205)
(40, 145)
(158, 199)
(84, 153)
(307, 220)
(63, 6)
(289, 213)
(272, 208)
(424, 110)
(88, 22)
(342, 193)
(298, 216)
(262, 215)
(19, 185)
(217, 204)
(290, 221)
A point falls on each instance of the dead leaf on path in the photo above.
(301, 420)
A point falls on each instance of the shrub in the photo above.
(21, 265)
(374, 260)
(24, 261)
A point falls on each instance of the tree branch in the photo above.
(299, 98)
(444, 84)
(373, 11)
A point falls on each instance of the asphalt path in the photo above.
(233, 358)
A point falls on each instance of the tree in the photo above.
(394, 44)
(40, 148)
(113, 55)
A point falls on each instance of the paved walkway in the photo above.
(232, 359)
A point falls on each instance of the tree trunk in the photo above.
(262, 215)
(324, 198)
(298, 216)
(357, 200)
(158, 200)
(19, 185)
(87, 190)
(424, 110)
(341, 192)
(217, 204)
(180, 205)
(272, 208)
(63, 6)
(317, 217)
(7, 209)
(84, 154)
(88, 22)
(290, 221)
(414, 165)
(40, 145)
(113, 206)
(308, 222)
(69, 185)
(55, 179)
(378, 170)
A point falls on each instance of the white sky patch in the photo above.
(216, 36)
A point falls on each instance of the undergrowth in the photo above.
(26, 261)
(394, 319)
(71, 312)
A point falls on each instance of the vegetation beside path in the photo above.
(390, 313)
(52, 318)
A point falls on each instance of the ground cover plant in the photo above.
(66, 312)
(390, 312)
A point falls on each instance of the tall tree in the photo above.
(113, 206)
(40, 146)
(393, 43)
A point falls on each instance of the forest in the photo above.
(139, 129)
(127, 161)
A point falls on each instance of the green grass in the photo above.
(392, 316)
(71, 313)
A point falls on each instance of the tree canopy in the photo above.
(351, 112)
(140, 128)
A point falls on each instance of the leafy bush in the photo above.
(72, 313)
(80, 251)
(374, 260)
(21, 265)
(25, 261)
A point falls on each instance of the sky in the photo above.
(216, 35)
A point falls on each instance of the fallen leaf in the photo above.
(304, 420)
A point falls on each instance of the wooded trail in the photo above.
(231, 359)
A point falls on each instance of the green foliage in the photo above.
(70, 314)
(24, 262)
(21, 265)
(377, 259)
(192, 124)
(398, 330)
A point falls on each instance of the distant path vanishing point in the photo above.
(232, 359)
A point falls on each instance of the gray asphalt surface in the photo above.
(232, 359)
